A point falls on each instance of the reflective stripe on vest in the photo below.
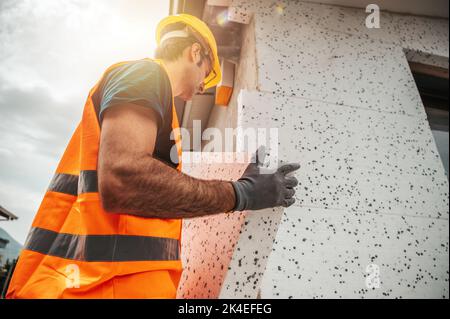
(101, 247)
(73, 184)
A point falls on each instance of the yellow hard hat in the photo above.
(203, 30)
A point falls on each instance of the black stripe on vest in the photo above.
(102, 248)
(73, 184)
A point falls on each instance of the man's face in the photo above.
(195, 75)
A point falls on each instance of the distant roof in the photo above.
(7, 215)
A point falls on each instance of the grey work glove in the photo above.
(257, 191)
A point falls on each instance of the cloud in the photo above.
(33, 124)
(65, 45)
(34, 131)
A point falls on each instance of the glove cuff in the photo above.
(240, 204)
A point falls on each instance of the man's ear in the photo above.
(195, 54)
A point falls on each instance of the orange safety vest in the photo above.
(77, 250)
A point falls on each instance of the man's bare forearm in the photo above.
(148, 187)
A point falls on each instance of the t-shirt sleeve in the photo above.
(138, 83)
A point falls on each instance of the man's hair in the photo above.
(171, 49)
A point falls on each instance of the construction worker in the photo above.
(109, 225)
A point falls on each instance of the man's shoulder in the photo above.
(135, 66)
(140, 82)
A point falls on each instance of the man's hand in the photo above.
(257, 191)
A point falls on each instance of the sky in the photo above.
(51, 53)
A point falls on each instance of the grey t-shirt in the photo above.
(141, 82)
